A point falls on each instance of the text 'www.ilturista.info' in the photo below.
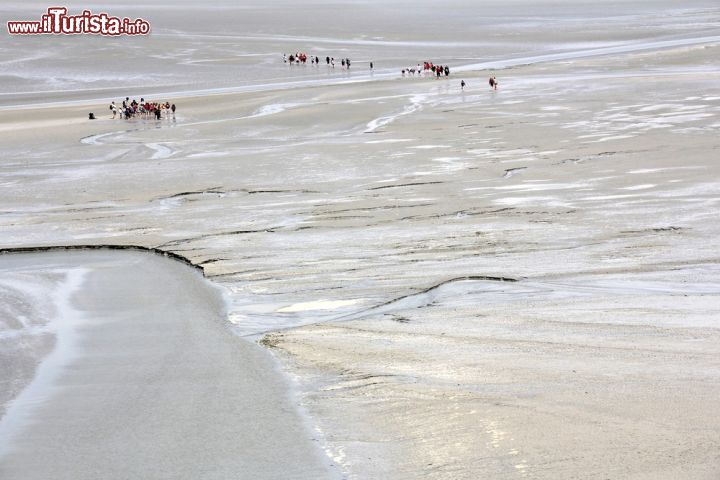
(56, 21)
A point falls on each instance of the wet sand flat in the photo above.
(146, 381)
(362, 224)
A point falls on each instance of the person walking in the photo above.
(462, 84)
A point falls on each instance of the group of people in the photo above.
(297, 58)
(300, 57)
(428, 67)
(142, 108)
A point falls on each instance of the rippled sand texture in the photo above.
(590, 179)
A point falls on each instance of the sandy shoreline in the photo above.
(360, 225)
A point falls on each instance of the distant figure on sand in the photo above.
(462, 84)
(371, 65)
(493, 83)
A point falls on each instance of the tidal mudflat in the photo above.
(142, 378)
(515, 283)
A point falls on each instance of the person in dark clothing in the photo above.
(157, 113)
(327, 60)
(371, 65)
(462, 84)
(173, 108)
